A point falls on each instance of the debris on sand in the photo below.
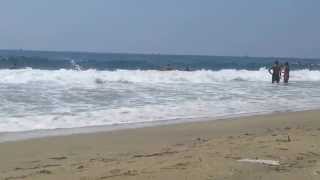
(261, 161)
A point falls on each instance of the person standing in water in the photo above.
(276, 72)
(286, 71)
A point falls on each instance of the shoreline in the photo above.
(193, 150)
(44, 133)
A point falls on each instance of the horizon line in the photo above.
(158, 54)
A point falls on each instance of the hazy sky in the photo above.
(215, 27)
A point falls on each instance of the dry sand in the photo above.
(189, 151)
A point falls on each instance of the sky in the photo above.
(279, 28)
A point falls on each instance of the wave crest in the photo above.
(92, 76)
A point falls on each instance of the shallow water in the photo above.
(33, 99)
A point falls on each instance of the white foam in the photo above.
(39, 99)
(90, 77)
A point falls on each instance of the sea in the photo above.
(42, 91)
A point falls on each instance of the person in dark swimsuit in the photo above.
(286, 71)
(276, 72)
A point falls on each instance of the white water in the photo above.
(90, 77)
(42, 99)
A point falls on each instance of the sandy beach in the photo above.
(209, 150)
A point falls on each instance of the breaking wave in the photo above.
(88, 77)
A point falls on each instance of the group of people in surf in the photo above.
(280, 70)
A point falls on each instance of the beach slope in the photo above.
(279, 146)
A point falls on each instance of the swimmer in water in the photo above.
(286, 72)
(276, 72)
(167, 68)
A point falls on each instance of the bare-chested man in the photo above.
(276, 72)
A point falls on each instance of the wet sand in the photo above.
(188, 151)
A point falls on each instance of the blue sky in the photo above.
(210, 27)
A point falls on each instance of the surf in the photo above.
(92, 76)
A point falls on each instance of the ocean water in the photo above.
(53, 90)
